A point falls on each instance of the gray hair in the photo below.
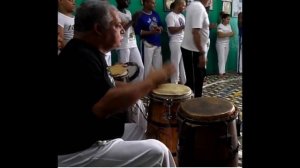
(91, 12)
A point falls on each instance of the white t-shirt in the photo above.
(196, 17)
(108, 58)
(129, 39)
(175, 20)
(67, 23)
(224, 29)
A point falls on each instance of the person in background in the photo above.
(176, 22)
(194, 45)
(240, 47)
(128, 51)
(60, 42)
(65, 21)
(149, 28)
(92, 119)
(224, 32)
(207, 5)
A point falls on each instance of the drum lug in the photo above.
(169, 104)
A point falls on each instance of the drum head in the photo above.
(133, 70)
(207, 109)
(172, 89)
(117, 70)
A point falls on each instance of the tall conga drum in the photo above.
(162, 113)
(207, 133)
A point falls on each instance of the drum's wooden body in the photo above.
(162, 120)
(207, 133)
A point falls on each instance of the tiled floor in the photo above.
(230, 88)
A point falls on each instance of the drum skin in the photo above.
(131, 71)
(207, 133)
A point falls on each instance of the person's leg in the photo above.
(226, 52)
(123, 55)
(241, 56)
(220, 52)
(148, 56)
(135, 56)
(199, 74)
(188, 66)
(157, 58)
(175, 58)
(182, 71)
(120, 153)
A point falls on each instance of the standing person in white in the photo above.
(149, 28)
(65, 20)
(240, 48)
(128, 51)
(224, 32)
(176, 22)
(195, 45)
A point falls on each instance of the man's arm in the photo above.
(197, 41)
(60, 31)
(120, 98)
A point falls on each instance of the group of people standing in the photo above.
(94, 108)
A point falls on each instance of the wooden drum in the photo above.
(163, 107)
(124, 72)
(207, 133)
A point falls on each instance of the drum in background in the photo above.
(133, 70)
(162, 112)
(124, 72)
(119, 72)
(207, 133)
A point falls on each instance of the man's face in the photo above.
(150, 4)
(182, 6)
(113, 34)
(68, 5)
(123, 3)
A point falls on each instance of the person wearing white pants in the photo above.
(224, 32)
(149, 28)
(176, 22)
(101, 121)
(240, 56)
(240, 46)
(128, 51)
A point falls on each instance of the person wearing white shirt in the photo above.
(194, 46)
(224, 32)
(176, 22)
(65, 21)
(128, 51)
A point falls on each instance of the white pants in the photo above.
(222, 51)
(130, 150)
(206, 53)
(240, 57)
(152, 57)
(132, 55)
(177, 61)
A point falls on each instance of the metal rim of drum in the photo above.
(223, 110)
(125, 73)
(162, 97)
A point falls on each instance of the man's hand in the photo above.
(202, 60)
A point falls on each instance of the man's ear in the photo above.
(98, 29)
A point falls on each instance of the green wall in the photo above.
(212, 65)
